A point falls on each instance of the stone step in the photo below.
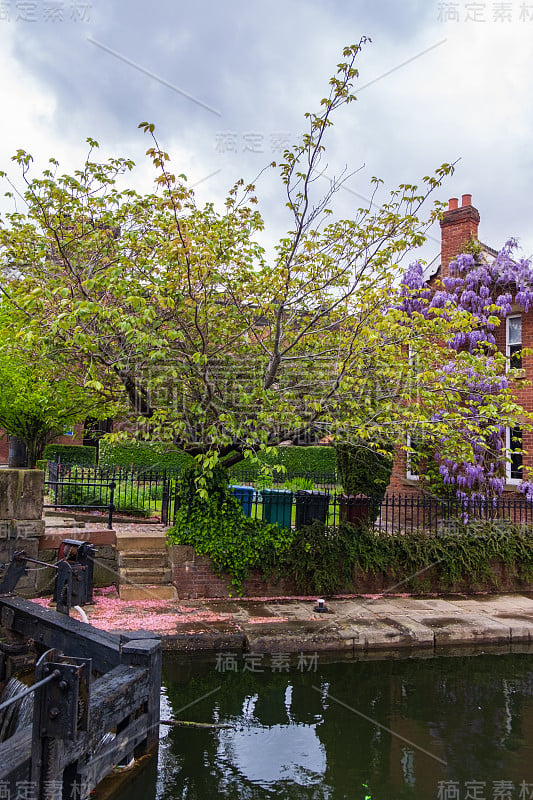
(147, 592)
(52, 521)
(142, 560)
(155, 575)
(141, 543)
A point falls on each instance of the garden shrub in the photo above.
(216, 526)
(70, 454)
(326, 560)
(363, 471)
(141, 455)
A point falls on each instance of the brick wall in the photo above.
(399, 483)
(194, 578)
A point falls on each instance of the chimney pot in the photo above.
(466, 200)
(452, 203)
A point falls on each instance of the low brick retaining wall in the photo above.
(194, 577)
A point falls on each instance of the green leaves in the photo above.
(170, 311)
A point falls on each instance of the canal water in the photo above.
(440, 728)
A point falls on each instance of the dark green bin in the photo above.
(277, 506)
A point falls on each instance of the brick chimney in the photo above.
(458, 225)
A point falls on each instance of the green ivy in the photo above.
(216, 526)
(328, 560)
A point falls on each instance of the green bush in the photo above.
(41, 464)
(363, 471)
(70, 454)
(141, 455)
(216, 526)
(327, 560)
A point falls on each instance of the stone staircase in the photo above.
(144, 569)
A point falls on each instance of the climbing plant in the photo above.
(485, 290)
(213, 522)
(328, 560)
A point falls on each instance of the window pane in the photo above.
(515, 356)
(514, 330)
(516, 458)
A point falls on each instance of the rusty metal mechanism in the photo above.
(74, 573)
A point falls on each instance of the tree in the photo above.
(35, 405)
(174, 312)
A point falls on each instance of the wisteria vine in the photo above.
(486, 289)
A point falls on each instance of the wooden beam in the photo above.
(53, 630)
(15, 756)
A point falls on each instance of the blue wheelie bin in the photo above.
(245, 496)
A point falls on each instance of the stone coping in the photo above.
(354, 626)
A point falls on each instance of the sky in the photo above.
(227, 85)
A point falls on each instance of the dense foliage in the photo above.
(83, 455)
(328, 560)
(214, 524)
(484, 289)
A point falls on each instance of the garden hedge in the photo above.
(70, 454)
(304, 459)
(141, 455)
(145, 455)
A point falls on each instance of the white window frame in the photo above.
(508, 464)
(411, 476)
(508, 343)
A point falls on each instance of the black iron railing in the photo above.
(291, 500)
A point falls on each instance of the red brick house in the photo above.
(459, 224)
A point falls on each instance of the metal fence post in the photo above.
(112, 487)
(165, 496)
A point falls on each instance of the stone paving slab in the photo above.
(363, 624)
(355, 626)
(497, 603)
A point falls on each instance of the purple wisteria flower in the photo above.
(486, 289)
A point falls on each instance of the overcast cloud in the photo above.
(236, 78)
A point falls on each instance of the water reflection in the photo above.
(290, 739)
